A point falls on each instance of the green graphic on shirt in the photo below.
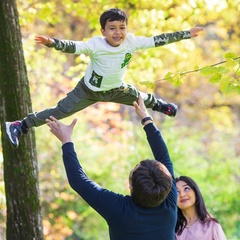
(128, 56)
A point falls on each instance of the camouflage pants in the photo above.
(81, 97)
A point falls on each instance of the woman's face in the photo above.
(186, 196)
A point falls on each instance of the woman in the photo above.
(194, 221)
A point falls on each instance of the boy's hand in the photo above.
(43, 40)
(194, 31)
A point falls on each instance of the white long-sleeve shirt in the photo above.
(107, 65)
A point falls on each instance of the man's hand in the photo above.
(61, 131)
(140, 108)
(43, 40)
(194, 31)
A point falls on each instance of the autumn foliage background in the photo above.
(203, 139)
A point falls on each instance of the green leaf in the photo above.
(215, 78)
(206, 71)
(231, 63)
(229, 84)
(169, 75)
(174, 78)
(148, 84)
(196, 67)
(177, 82)
(225, 87)
(221, 70)
(230, 55)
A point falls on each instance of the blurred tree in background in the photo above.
(203, 139)
(23, 220)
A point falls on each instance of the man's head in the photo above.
(111, 15)
(150, 182)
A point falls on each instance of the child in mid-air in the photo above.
(104, 77)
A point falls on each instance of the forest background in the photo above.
(203, 139)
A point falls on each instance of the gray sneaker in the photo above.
(14, 132)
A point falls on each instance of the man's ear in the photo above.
(103, 32)
(130, 187)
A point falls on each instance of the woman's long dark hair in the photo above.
(201, 209)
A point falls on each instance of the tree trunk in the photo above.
(20, 165)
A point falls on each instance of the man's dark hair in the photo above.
(151, 182)
(113, 14)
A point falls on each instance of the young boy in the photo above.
(104, 77)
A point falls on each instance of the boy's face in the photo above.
(115, 32)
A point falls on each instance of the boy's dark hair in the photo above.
(113, 14)
(151, 182)
(201, 209)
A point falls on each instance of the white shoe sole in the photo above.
(8, 124)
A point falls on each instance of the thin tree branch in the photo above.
(197, 70)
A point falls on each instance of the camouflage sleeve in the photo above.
(167, 38)
(66, 46)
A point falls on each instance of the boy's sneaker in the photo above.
(14, 132)
(169, 109)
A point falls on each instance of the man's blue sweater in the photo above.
(125, 219)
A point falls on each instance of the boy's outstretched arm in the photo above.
(166, 38)
(67, 46)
